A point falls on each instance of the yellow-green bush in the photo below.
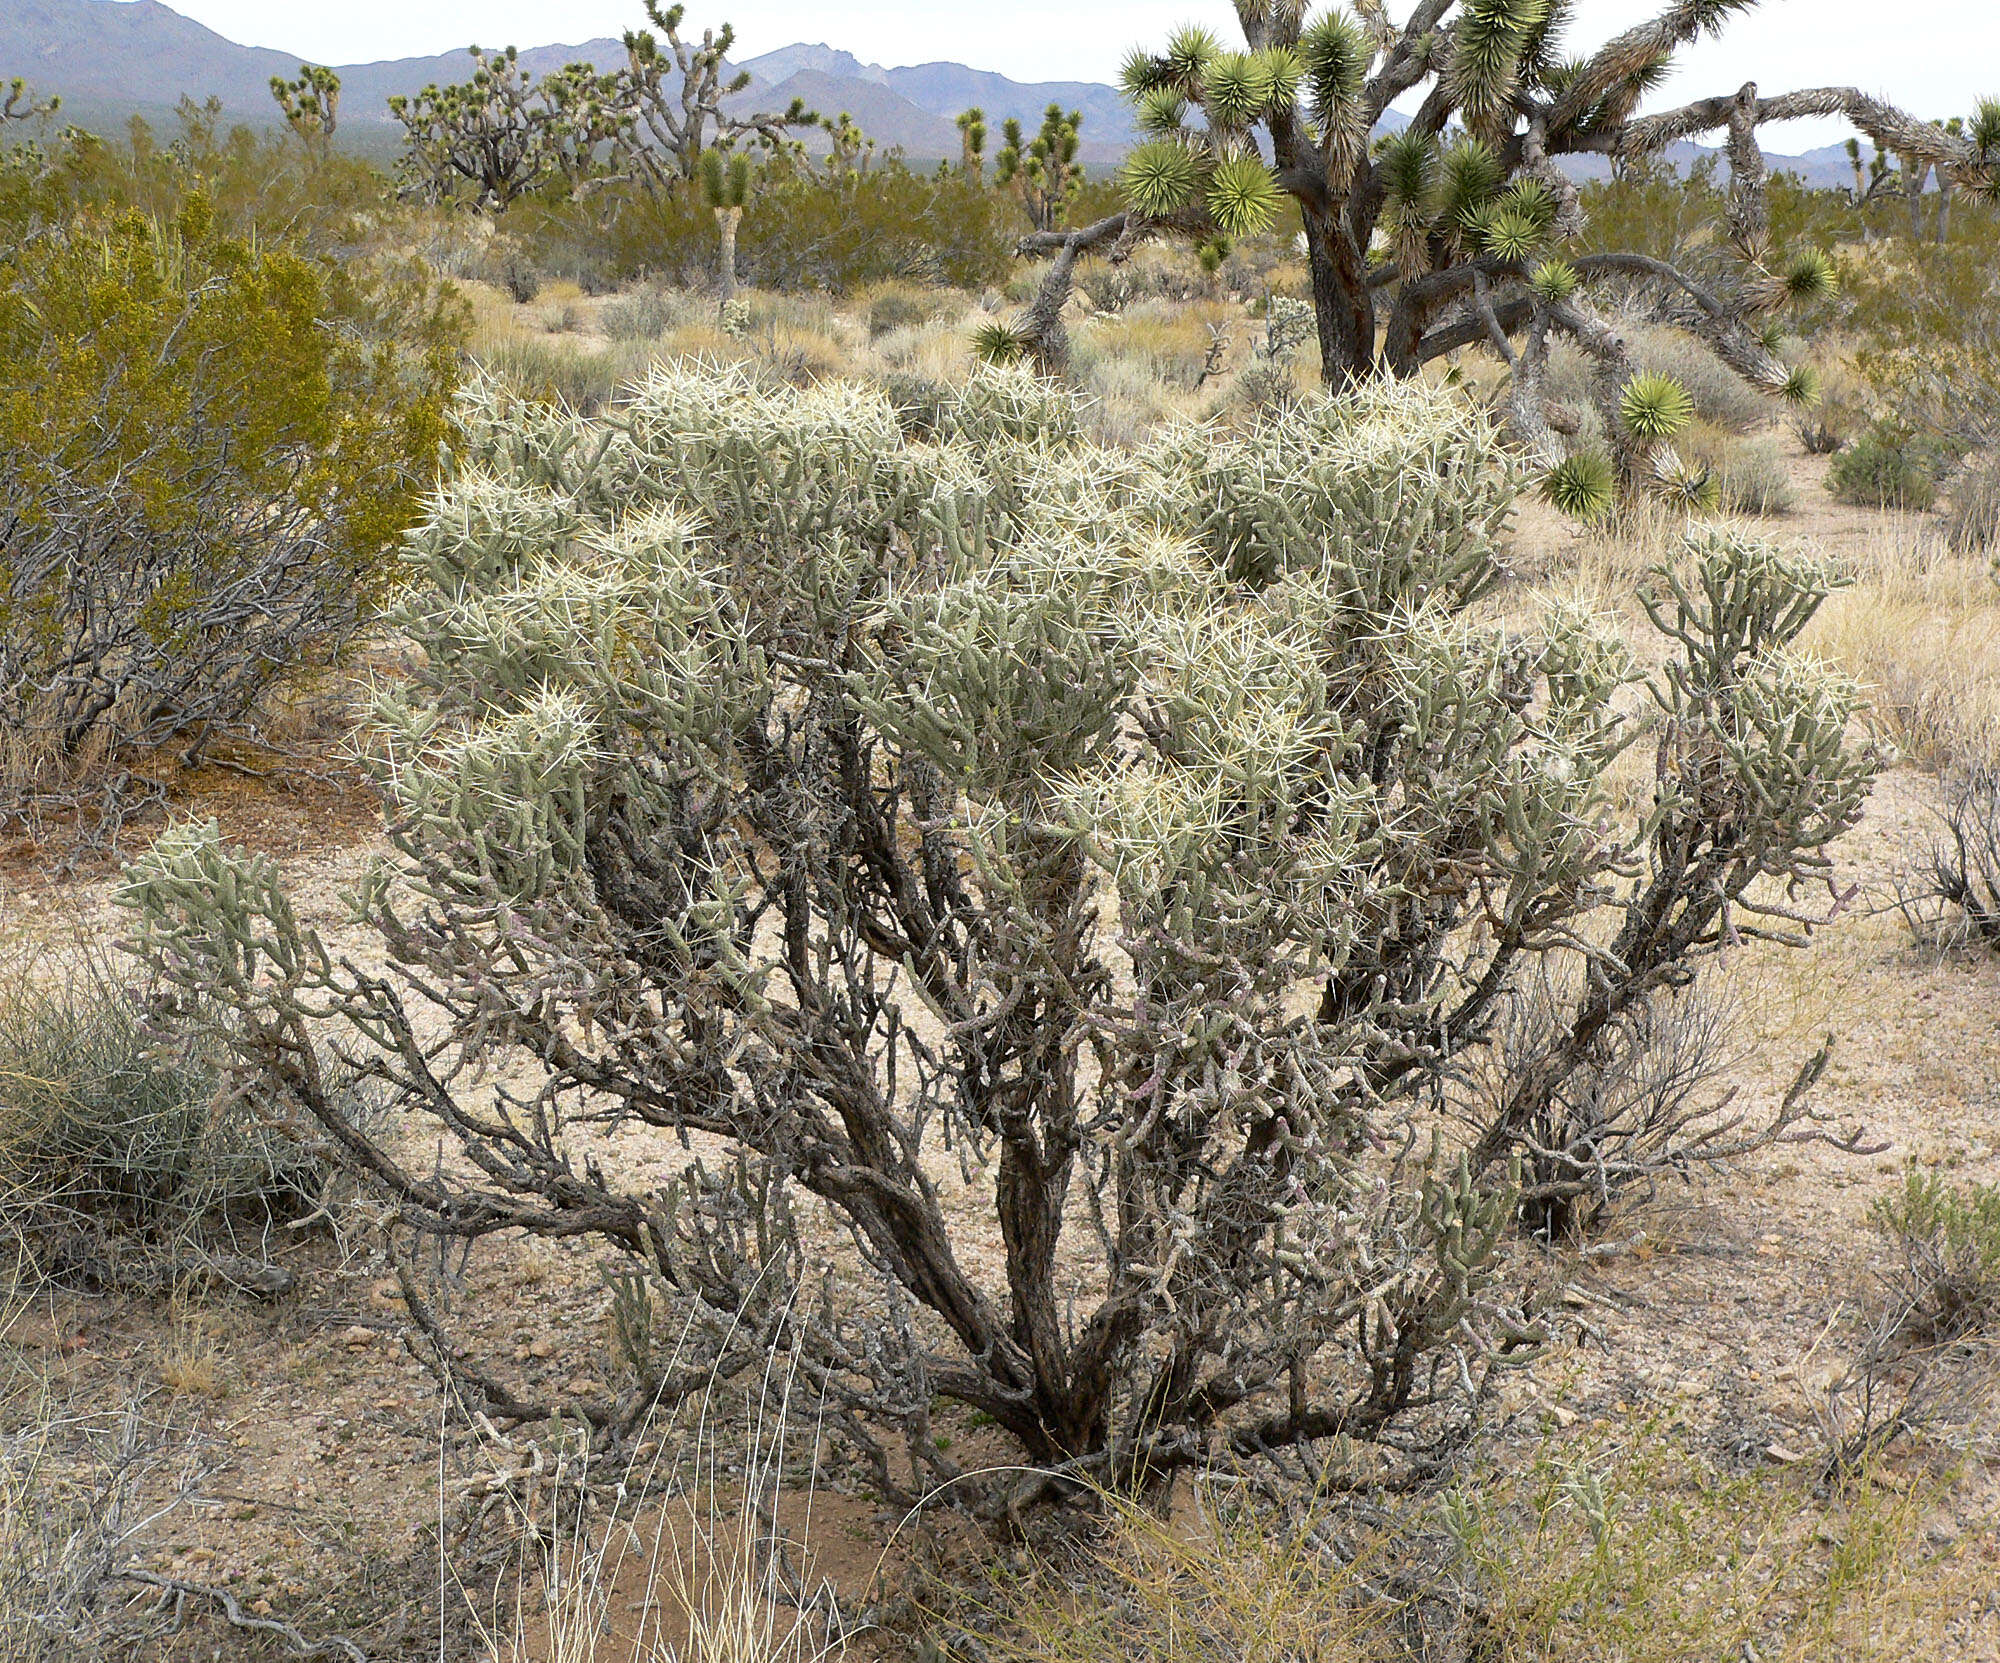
(209, 445)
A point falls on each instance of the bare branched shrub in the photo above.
(1135, 840)
(1955, 890)
(1925, 1365)
(1972, 511)
(1646, 1102)
(76, 1492)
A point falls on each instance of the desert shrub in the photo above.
(771, 778)
(1264, 391)
(1956, 888)
(1649, 1083)
(1972, 506)
(1628, 1543)
(1722, 398)
(1636, 1546)
(107, 1135)
(78, 1494)
(1946, 1238)
(209, 447)
(1749, 474)
(1841, 414)
(892, 306)
(511, 265)
(921, 402)
(1887, 467)
(1227, 1579)
(644, 315)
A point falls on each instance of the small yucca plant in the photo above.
(1655, 406)
(1584, 486)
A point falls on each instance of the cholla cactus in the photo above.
(1427, 241)
(1007, 853)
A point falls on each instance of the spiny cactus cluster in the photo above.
(1130, 842)
(1462, 229)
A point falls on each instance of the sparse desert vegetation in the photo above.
(762, 903)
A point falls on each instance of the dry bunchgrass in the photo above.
(1631, 1545)
(1215, 1580)
(1919, 626)
(1621, 1544)
(716, 1566)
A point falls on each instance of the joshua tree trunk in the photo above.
(1915, 171)
(726, 222)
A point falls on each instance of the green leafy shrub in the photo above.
(800, 232)
(209, 448)
(1887, 467)
(1947, 1238)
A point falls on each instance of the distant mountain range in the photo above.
(111, 59)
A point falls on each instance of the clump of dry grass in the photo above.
(1217, 1580)
(716, 1567)
(1625, 1543)
(1920, 628)
(1633, 1546)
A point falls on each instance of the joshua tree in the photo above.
(1916, 173)
(725, 187)
(972, 144)
(1956, 128)
(650, 120)
(503, 134)
(848, 149)
(1043, 168)
(311, 107)
(1035, 895)
(1460, 230)
(674, 93)
(19, 105)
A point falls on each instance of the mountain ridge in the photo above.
(114, 58)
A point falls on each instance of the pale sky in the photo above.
(1935, 57)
